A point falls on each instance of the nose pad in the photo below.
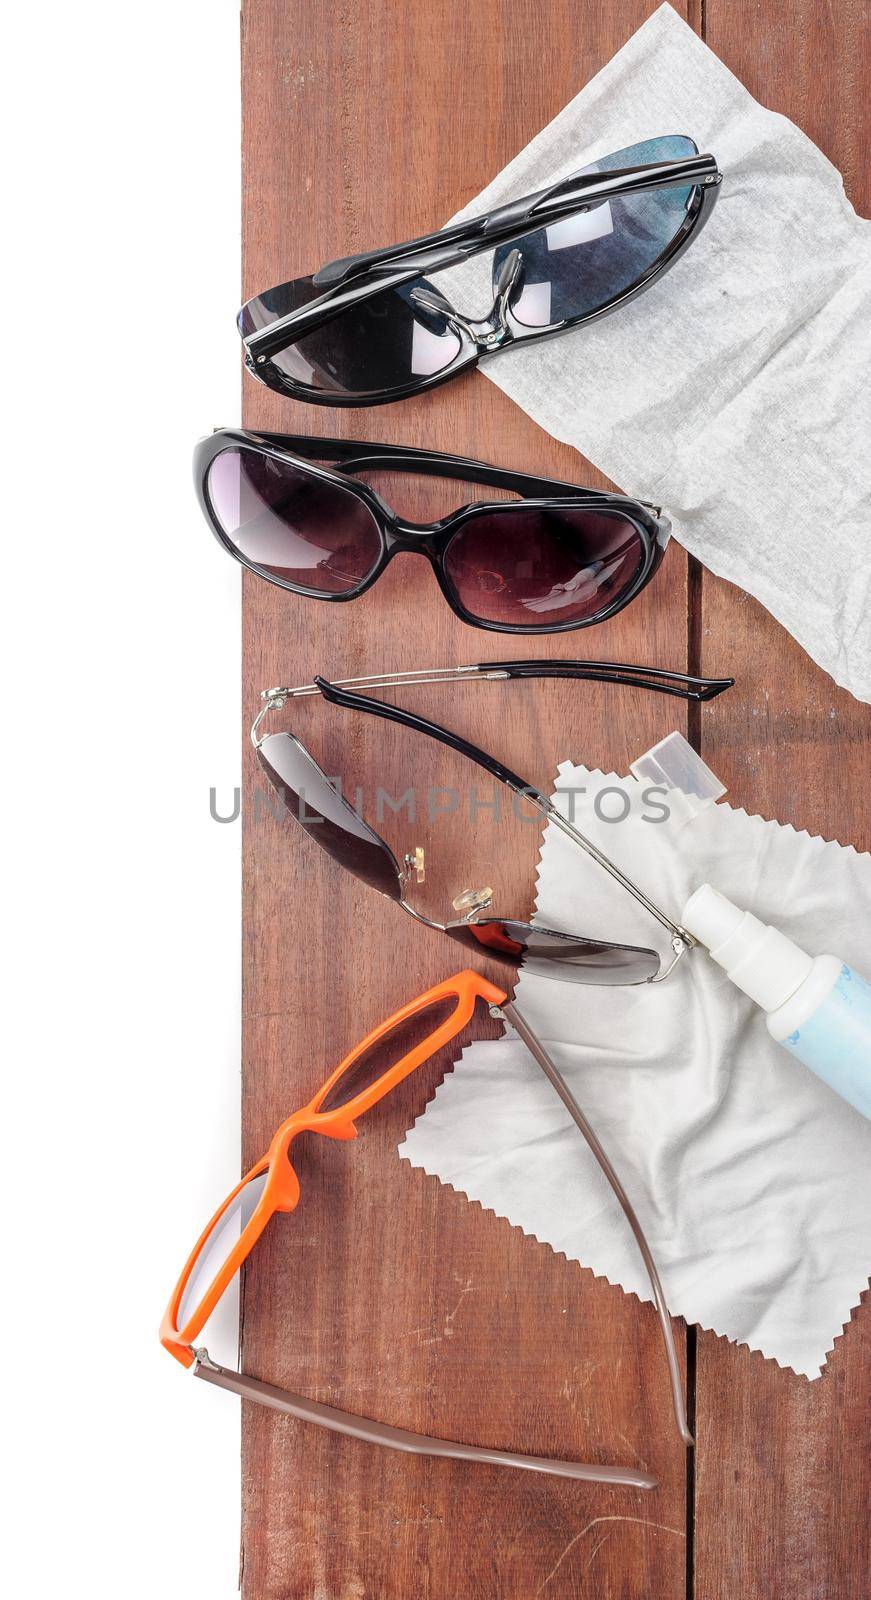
(430, 303)
(471, 901)
(508, 278)
(415, 863)
(428, 299)
(496, 331)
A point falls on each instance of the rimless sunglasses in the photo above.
(321, 810)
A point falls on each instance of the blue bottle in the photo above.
(818, 1008)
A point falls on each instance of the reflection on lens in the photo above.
(291, 524)
(371, 1064)
(579, 264)
(310, 799)
(226, 1232)
(385, 342)
(541, 568)
(555, 954)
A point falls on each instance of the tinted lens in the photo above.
(225, 1233)
(313, 802)
(383, 343)
(580, 264)
(371, 1064)
(543, 568)
(557, 955)
(291, 524)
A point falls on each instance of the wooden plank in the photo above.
(385, 1291)
(782, 1489)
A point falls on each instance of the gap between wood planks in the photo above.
(695, 579)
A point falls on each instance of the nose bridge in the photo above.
(298, 1122)
(416, 538)
(492, 332)
(485, 333)
(495, 330)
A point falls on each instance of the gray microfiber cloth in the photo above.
(735, 391)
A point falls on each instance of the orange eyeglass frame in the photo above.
(281, 1192)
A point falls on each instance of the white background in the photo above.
(120, 640)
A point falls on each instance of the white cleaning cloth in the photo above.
(750, 1175)
(735, 391)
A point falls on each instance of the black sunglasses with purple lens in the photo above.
(557, 558)
(320, 808)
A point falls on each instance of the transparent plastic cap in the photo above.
(673, 764)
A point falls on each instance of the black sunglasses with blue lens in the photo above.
(381, 326)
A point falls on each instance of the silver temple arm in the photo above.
(536, 1049)
(274, 699)
(681, 940)
(386, 680)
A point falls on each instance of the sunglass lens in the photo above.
(530, 568)
(314, 803)
(582, 263)
(395, 338)
(557, 955)
(372, 1062)
(226, 1232)
(291, 524)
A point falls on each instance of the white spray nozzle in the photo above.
(757, 957)
(710, 917)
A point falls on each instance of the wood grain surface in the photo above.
(385, 1292)
(782, 1465)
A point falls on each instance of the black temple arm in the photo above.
(346, 267)
(407, 719)
(353, 455)
(355, 278)
(493, 226)
(657, 679)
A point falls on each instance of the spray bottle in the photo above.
(818, 1009)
